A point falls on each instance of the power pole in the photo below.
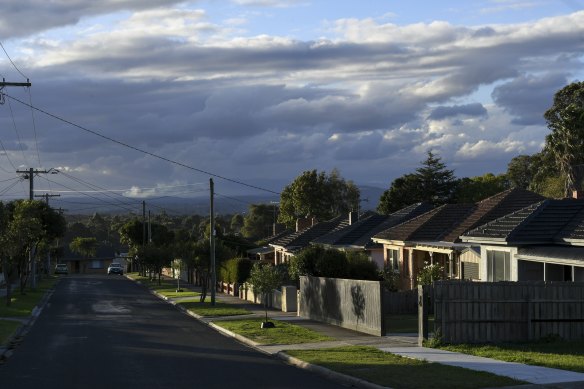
(46, 196)
(4, 84)
(29, 175)
(212, 243)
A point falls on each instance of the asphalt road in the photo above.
(107, 332)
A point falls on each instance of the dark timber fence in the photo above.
(476, 312)
(352, 304)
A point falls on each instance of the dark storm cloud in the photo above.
(476, 109)
(528, 97)
(24, 17)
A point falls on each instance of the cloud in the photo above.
(527, 97)
(370, 98)
(474, 109)
(23, 17)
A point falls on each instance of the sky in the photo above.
(258, 91)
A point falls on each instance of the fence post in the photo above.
(529, 326)
(422, 316)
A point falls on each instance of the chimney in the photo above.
(303, 223)
(353, 217)
(578, 194)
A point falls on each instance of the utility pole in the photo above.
(46, 196)
(212, 242)
(29, 175)
(4, 84)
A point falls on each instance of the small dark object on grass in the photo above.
(268, 324)
(179, 290)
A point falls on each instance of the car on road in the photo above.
(115, 268)
(61, 268)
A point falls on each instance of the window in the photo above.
(498, 266)
(392, 260)
(96, 264)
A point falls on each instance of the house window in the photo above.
(393, 260)
(498, 266)
(96, 264)
(470, 271)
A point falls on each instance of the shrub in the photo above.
(361, 267)
(332, 263)
(430, 273)
(304, 263)
(235, 270)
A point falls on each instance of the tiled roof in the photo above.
(547, 222)
(448, 222)
(360, 233)
(300, 239)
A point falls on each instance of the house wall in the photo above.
(483, 268)
(469, 258)
(377, 257)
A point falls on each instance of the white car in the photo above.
(115, 268)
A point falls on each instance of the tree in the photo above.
(86, 247)
(236, 223)
(402, 192)
(565, 119)
(520, 171)
(264, 279)
(432, 183)
(474, 189)
(26, 225)
(258, 221)
(437, 184)
(317, 194)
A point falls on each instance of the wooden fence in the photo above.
(477, 312)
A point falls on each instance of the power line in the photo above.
(36, 142)
(93, 197)
(139, 149)
(10, 59)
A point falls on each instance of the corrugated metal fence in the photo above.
(476, 312)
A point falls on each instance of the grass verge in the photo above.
(387, 369)
(283, 333)
(22, 305)
(206, 309)
(554, 354)
(166, 288)
(7, 328)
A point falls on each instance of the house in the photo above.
(357, 236)
(307, 230)
(93, 265)
(266, 253)
(434, 237)
(542, 242)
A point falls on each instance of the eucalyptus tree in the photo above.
(565, 119)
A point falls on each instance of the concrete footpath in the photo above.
(400, 344)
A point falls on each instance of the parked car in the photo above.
(115, 268)
(61, 268)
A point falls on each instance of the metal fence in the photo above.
(477, 312)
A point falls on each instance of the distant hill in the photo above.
(185, 206)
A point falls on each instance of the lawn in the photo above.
(22, 305)
(283, 333)
(206, 309)
(7, 328)
(391, 370)
(166, 288)
(555, 354)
